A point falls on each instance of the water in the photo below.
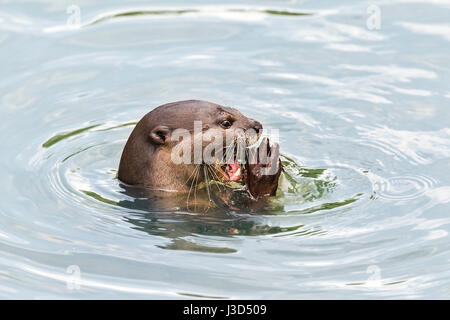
(362, 111)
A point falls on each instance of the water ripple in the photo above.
(403, 188)
(362, 209)
(227, 13)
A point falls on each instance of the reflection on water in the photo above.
(159, 215)
(201, 11)
(361, 209)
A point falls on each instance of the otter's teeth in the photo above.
(237, 173)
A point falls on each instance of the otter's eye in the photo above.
(225, 124)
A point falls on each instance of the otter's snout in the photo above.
(257, 126)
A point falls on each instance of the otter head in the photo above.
(172, 141)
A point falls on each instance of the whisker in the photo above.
(196, 188)
(229, 151)
(193, 171)
(212, 170)
(207, 185)
(196, 170)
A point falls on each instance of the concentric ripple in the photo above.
(403, 188)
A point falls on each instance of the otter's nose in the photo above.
(257, 126)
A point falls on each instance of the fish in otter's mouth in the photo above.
(259, 172)
(231, 171)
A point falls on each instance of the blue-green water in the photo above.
(363, 110)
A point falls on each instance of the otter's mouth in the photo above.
(259, 172)
(231, 171)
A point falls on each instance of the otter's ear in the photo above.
(160, 134)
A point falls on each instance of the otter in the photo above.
(148, 156)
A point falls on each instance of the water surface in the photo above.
(363, 112)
